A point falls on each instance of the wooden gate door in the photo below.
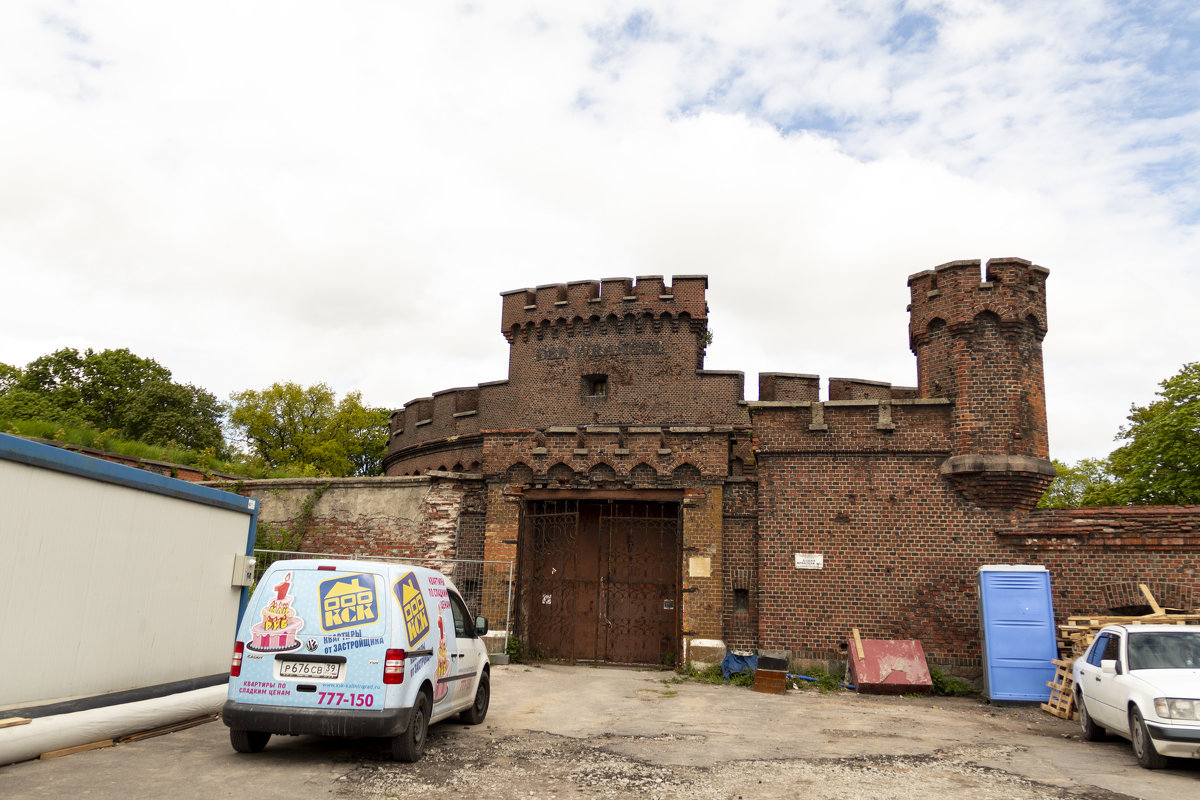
(563, 581)
(602, 580)
(639, 546)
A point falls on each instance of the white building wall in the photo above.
(114, 580)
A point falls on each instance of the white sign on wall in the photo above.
(810, 561)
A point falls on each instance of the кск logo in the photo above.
(416, 617)
(348, 602)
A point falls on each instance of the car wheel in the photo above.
(410, 745)
(248, 741)
(1147, 756)
(478, 710)
(1091, 731)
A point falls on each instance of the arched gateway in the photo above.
(605, 456)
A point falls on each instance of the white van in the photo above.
(355, 648)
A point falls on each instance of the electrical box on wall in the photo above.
(243, 570)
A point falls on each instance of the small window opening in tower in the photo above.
(595, 385)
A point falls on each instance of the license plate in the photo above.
(310, 669)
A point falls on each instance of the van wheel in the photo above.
(248, 741)
(410, 745)
(483, 696)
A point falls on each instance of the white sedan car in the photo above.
(1142, 682)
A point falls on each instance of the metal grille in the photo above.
(551, 593)
(475, 579)
(601, 580)
(641, 541)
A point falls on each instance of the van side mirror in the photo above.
(481, 626)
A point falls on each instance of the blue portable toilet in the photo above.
(1019, 644)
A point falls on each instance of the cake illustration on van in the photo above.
(443, 663)
(279, 626)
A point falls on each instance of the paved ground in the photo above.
(571, 732)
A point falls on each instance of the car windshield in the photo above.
(1164, 650)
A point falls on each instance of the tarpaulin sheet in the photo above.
(733, 663)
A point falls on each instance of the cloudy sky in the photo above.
(262, 191)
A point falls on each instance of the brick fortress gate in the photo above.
(656, 516)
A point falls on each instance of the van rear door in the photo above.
(317, 638)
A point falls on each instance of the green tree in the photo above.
(307, 429)
(162, 411)
(8, 377)
(1160, 462)
(112, 380)
(113, 390)
(1085, 483)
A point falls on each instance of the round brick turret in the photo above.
(979, 344)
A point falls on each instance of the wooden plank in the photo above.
(858, 645)
(178, 726)
(1098, 622)
(9, 722)
(1150, 598)
(79, 748)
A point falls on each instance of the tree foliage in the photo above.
(1159, 464)
(1086, 483)
(112, 390)
(309, 430)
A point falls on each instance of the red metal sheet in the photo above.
(890, 666)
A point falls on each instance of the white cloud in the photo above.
(338, 192)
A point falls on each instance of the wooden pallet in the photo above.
(1062, 691)
(1076, 636)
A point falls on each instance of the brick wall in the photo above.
(739, 536)
(902, 548)
(702, 607)
(392, 517)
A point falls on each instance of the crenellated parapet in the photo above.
(952, 295)
(593, 301)
(614, 456)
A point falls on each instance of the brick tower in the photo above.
(979, 344)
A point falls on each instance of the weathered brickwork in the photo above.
(703, 561)
(739, 538)
(905, 494)
(415, 518)
(501, 531)
(606, 353)
(800, 517)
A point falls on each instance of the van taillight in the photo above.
(235, 666)
(393, 666)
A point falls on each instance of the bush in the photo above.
(713, 674)
(518, 653)
(950, 686)
(824, 681)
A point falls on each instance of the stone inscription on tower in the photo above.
(593, 351)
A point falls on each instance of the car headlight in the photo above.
(1176, 708)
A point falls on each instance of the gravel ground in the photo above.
(646, 735)
(543, 766)
(560, 732)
